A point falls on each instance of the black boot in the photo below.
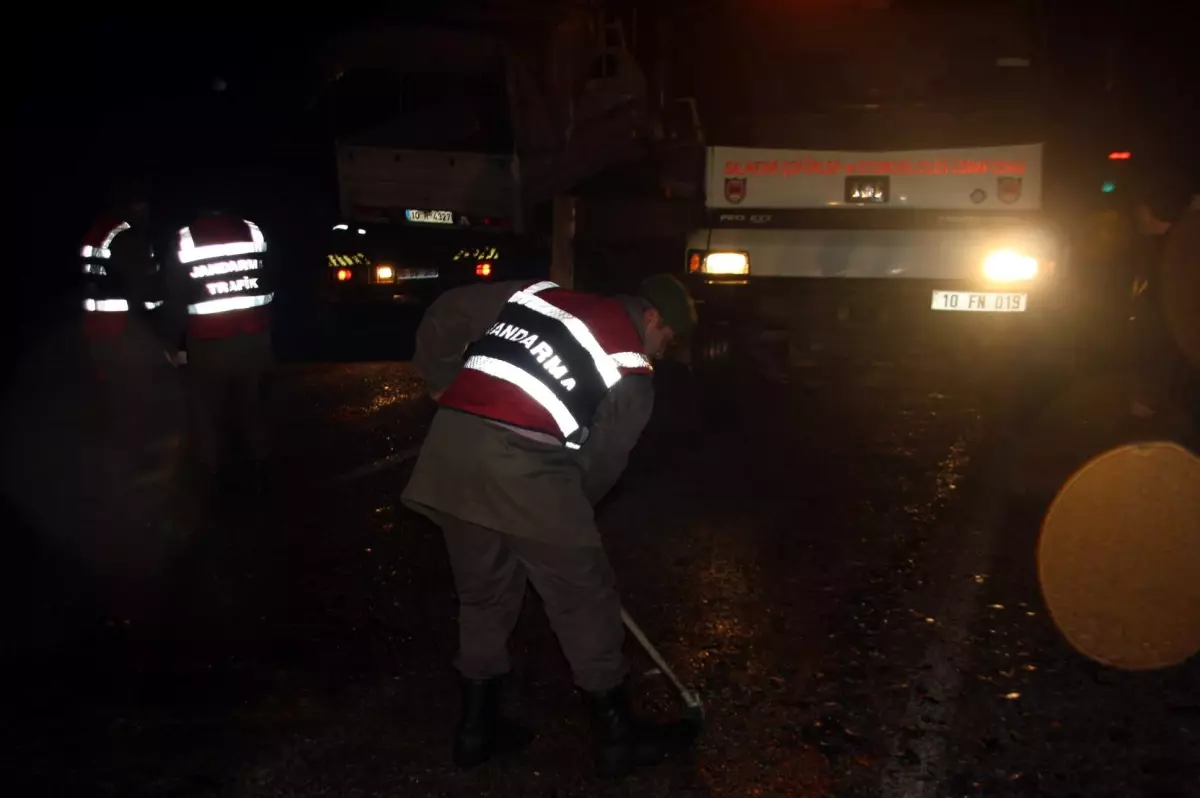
(624, 742)
(482, 730)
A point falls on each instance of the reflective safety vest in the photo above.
(227, 287)
(105, 309)
(548, 361)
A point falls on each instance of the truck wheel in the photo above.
(713, 372)
(712, 354)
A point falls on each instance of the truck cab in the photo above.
(900, 194)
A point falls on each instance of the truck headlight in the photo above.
(1009, 266)
(730, 263)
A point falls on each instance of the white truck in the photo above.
(902, 189)
(809, 241)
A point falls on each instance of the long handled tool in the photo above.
(692, 708)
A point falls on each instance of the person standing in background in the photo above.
(121, 294)
(1166, 294)
(218, 300)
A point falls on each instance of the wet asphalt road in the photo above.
(843, 566)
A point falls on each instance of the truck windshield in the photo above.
(931, 54)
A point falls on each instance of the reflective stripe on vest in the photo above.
(100, 239)
(537, 386)
(114, 305)
(210, 306)
(93, 253)
(579, 330)
(190, 253)
(101, 249)
(631, 360)
(531, 385)
(224, 268)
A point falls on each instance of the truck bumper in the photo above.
(806, 318)
(380, 296)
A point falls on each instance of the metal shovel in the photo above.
(693, 710)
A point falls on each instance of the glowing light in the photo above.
(726, 263)
(1007, 266)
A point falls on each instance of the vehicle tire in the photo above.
(712, 352)
(713, 372)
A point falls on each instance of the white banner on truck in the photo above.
(973, 178)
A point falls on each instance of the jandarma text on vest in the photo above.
(224, 267)
(539, 349)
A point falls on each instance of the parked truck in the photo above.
(895, 192)
(417, 222)
(812, 241)
(455, 147)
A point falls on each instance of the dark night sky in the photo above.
(1153, 105)
(154, 72)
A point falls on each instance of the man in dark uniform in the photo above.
(543, 392)
(218, 298)
(121, 293)
(1165, 329)
(133, 253)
